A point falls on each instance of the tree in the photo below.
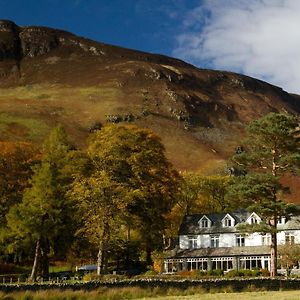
(289, 256)
(44, 215)
(102, 202)
(133, 160)
(197, 193)
(271, 149)
(16, 161)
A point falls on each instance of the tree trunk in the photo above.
(36, 261)
(273, 271)
(148, 255)
(44, 258)
(101, 257)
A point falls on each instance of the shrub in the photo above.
(246, 272)
(198, 273)
(217, 272)
(265, 272)
(184, 273)
(150, 273)
(256, 272)
(233, 273)
(91, 276)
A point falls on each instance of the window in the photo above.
(253, 220)
(193, 242)
(214, 241)
(227, 222)
(240, 240)
(204, 223)
(281, 220)
(223, 263)
(289, 238)
(266, 240)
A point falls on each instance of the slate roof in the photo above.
(223, 252)
(190, 225)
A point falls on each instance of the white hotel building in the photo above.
(213, 241)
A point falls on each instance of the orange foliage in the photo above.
(16, 161)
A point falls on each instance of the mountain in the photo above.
(49, 76)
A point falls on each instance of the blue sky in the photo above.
(148, 25)
(259, 38)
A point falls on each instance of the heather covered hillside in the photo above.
(50, 77)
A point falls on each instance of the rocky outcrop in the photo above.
(9, 40)
(32, 41)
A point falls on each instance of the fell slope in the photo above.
(50, 76)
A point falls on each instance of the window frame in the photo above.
(193, 241)
(240, 240)
(215, 241)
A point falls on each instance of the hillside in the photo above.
(50, 76)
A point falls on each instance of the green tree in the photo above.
(271, 149)
(45, 214)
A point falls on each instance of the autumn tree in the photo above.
(289, 256)
(102, 202)
(133, 160)
(197, 193)
(270, 150)
(44, 215)
(16, 161)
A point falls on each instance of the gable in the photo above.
(253, 219)
(228, 221)
(205, 222)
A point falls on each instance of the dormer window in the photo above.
(281, 220)
(204, 222)
(228, 221)
(253, 219)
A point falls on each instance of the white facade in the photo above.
(214, 241)
(231, 239)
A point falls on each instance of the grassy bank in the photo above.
(154, 294)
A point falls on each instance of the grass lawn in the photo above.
(281, 295)
(133, 293)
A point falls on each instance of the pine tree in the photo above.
(271, 150)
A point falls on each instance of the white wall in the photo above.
(229, 239)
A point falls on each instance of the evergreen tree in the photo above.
(271, 150)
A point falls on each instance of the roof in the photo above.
(190, 225)
(88, 268)
(223, 251)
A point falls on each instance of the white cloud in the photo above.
(260, 38)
